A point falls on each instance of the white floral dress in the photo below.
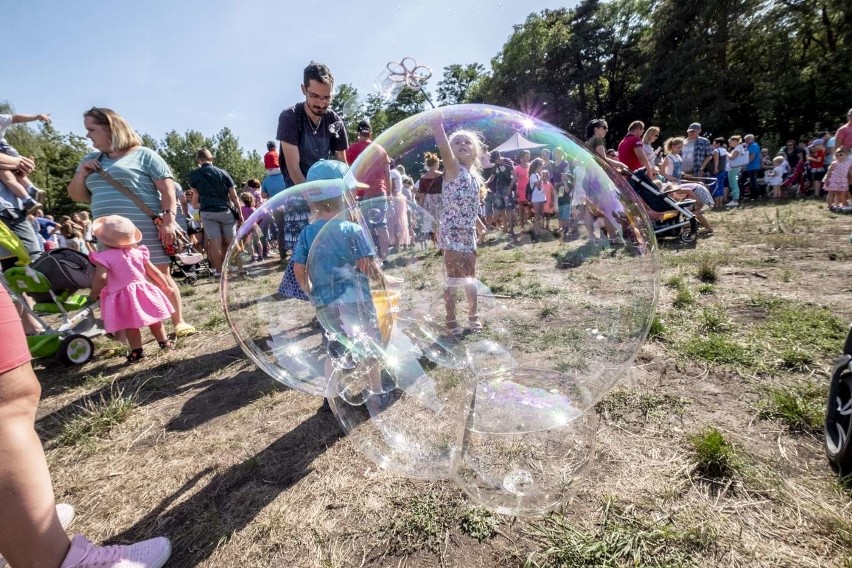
(459, 209)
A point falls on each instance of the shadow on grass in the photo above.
(168, 379)
(232, 498)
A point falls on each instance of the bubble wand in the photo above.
(409, 74)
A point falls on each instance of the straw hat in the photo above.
(116, 231)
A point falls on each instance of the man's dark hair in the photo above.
(720, 141)
(317, 72)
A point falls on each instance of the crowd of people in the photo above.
(141, 218)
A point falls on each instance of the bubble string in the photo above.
(411, 75)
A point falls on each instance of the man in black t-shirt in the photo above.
(310, 131)
(214, 193)
(501, 181)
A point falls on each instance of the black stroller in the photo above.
(189, 265)
(838, 416)
(678, 218)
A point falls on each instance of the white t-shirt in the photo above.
(687, 155)
(538, 195)
(5, 123)
(395, 181)
(775, 175)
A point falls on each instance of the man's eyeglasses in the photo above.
(318, 98)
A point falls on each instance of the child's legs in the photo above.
(134, 338)
(460, 269)
(8, 178)
(158, 331)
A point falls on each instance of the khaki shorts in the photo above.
(218, 225)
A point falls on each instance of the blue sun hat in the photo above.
(330, 171)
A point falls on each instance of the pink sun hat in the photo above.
(116, 231)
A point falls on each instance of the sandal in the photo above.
(454, 329)
(475, 324)
(167, 344)
(135, 355)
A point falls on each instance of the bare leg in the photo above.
(30, 533)
(159, 332)
(134, 338)
(9, 179)
(172, 293)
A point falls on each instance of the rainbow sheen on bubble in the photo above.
(506, 412)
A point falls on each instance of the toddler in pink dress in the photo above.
(128, 300)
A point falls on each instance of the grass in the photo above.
(800, 406)
(621, 538)
(715, 457)
(657, 329)
(707, 270)
(423, 523)
(714, 320)
(719, 349)
(706, 289)
(479, 523)
(97, 418)
(620, 403)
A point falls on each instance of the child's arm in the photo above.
(451, 165)
(98, 282)
(301, 273)
(154, 274)
(19, 118)
(828, 173)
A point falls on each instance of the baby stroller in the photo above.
(189, 265)
(677, 219)
(53, 282)
(838, 416)
(797, 181)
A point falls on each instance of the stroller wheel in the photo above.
(838, 417)
(688, 235)
(191, 280)
(76, 350)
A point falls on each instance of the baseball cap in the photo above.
(270, 144)
(320, 190)
(694, 126)
(332, 169)
(364, 127)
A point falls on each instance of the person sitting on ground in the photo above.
(17, 181)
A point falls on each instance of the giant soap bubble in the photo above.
(489, 376)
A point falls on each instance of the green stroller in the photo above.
(53, 282)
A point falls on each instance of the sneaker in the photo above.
(146, 554)
(31, 205)
(65, 512)
(732, 204)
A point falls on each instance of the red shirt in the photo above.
(354, 150)
(844, 137)
(373, 172)
(270, 160)
(627, 151)
(523, 173)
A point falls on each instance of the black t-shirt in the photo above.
(212, 184)
(315, 141)
(502, 171)
(794, 157)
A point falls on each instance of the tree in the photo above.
(454, 86)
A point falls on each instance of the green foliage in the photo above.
(621, 538)
(658, 328)
(800, 406)
(457, 80)
(719, 349)
(479, 523)
(715, 456)
(97, 418)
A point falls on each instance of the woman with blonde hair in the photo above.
(121, 157)
(652, 134)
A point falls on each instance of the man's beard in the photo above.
(318, 111)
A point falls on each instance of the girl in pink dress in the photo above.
(838, 178)
(400, 235)
(128, 300)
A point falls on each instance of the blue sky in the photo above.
(175, 64)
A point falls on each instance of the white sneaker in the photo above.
(65, 512)
(146, 554)
(732, 204)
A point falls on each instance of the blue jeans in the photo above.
(734, 184)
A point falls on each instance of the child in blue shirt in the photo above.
(342, 263)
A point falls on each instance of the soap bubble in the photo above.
(500, 399)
